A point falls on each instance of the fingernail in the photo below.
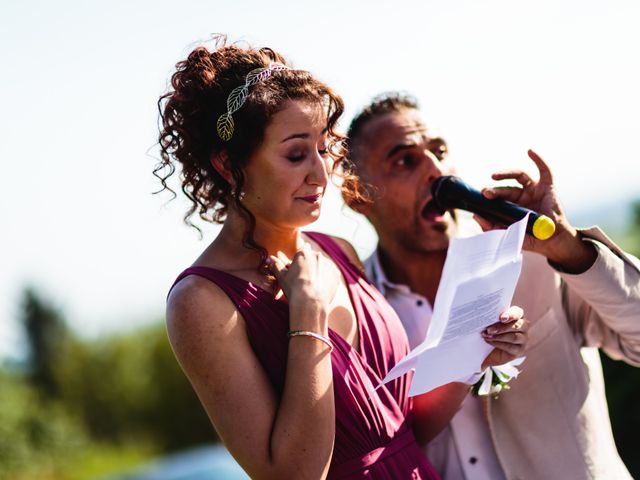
(491, 330)
(504, 317)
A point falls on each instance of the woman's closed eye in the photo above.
(299, 156)
(296, 156)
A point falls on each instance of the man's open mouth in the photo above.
(431, 211)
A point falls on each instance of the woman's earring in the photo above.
(241, 196)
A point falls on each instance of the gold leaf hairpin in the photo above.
(225, 125)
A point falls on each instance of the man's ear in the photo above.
(220, 161)
(360, 206)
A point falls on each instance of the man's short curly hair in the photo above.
(381, 104)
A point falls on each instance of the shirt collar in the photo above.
(380, 279)
(465, 227)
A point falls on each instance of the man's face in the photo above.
(400, 160)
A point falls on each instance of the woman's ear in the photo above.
(220, 161)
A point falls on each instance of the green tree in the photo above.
(623, 381)
(46, 333)
(83, 408)
(36, 435)
(634, 246)
(130, 387)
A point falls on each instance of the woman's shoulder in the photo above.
(193, 291)
(197, 306)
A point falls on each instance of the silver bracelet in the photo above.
(317, 336)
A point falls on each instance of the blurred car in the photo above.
(208, 462)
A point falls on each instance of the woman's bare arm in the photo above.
(290, 438)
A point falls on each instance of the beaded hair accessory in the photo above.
(238, 96)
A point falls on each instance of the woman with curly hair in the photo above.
(281, 336)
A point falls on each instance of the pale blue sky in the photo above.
(80, 82)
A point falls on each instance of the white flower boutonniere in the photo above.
(495, 379)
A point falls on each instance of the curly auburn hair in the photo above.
(191, 107)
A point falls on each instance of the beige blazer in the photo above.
(554, 422)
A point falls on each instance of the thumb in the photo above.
(276, 266)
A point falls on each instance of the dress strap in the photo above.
(220, 278)
(335, 251)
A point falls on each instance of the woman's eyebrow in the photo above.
(296, 135)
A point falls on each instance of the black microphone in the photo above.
(451, 192)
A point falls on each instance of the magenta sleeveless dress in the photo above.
(373, 428)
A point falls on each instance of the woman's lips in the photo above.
(312, 198)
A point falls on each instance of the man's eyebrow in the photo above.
(399, 148)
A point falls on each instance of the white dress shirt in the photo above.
(464, 449)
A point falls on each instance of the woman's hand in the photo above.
(509, 337)
(435, 409)
(309, 281)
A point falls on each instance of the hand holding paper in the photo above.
(478, 281)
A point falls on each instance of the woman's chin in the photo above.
(315, 214)
(308, 219)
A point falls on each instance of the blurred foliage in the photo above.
(84, 408)
(131, 387)
(33, 432)
(623, 380)
(623, 396)
(46, 333)
(40, 439)
(629, 240)
(634, 246)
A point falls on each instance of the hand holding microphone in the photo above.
(451, 192)
(563, 246)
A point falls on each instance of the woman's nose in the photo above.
(319, 173)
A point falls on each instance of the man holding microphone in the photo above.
(578, 289)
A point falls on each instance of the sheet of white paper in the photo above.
(477, 284)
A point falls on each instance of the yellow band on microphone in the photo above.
(543, 227)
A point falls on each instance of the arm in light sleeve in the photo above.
(603, 303)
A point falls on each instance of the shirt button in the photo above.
(473, 460)
(419, 303)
